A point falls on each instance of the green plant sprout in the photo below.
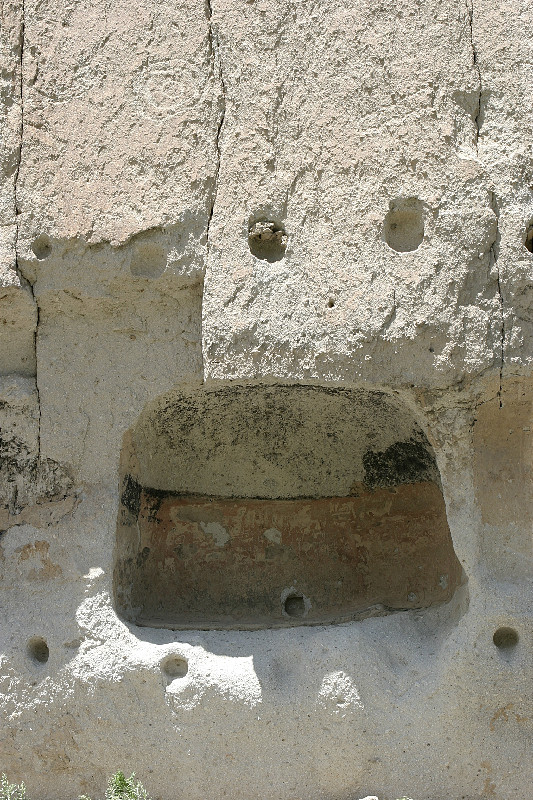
(118, 788)
(11, 791)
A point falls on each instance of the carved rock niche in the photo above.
(268, 506)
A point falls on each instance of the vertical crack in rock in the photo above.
(493, 199)
(37, 377)
(16, 204)
(21, 125)
(475, 64)
(217, 72)
(494, 262)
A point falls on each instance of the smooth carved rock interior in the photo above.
(261, 507)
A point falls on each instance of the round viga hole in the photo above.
(404, 225)
(505, 638)
(38, 650)
(295, 605)
(529, 239)
(174, 667)
(42, 247)
(267, 241)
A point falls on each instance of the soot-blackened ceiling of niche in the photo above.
(279, 442)
(250, 507)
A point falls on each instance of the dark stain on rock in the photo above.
(153, 499)
(15, 457)
(142, 556)
(131, 495)
(401, 463)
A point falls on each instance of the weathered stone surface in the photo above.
(277, 442)
(503, 453)
(502, 40)
(332, 118)
(120, 112)
(18, 312)
(269, 260)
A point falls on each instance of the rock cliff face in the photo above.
(266, 398)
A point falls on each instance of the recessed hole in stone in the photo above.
(331, 302)
(295, 606)
(175, 667)
(529, 239)
(267, 241)
(38, 650)
(505, 638)
(404, 225)
(282, 487)
(42, 247)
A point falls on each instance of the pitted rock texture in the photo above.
(269, 263)
(334, 118)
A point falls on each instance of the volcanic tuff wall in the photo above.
(266, 397)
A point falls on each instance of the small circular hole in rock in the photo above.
(331, 302)
(295, 606)
(529, 239)
(175, 667)
(42, 247)
(505, 638)
(267, 241)
(38, 650)
(404, 225)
